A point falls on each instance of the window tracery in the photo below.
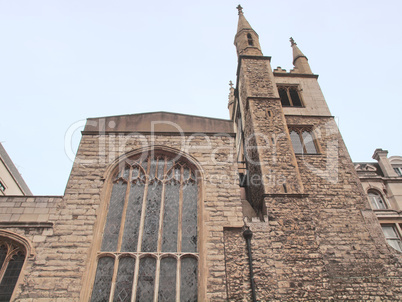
(12, 257)
(150, 235)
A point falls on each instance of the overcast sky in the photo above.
(64, 61)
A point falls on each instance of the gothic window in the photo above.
(250, 40)
(12, 257)
(376, 200)
(290, 96)
(303, 140)
(392, 236)
(149, 249)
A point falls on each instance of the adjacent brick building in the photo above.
(170, 207)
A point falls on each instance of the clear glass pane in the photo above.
(112, 227)
(396, 244)
(189, 218)
(11, 276)
(309, 142)
(146, 280)
(389, 232)
(103, 279)
(167, 283)
(133, 217)
(151, 224)
(188, 282)
(295, 138)
(171, 217)
(124, 282)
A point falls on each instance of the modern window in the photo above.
(398, 170)
(149, 249)
(12, 257)
(376, 200)
(392, 236)
(290, 96)
(303, 140)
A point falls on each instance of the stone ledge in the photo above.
(25, 224)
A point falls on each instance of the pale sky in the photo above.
(64, 61)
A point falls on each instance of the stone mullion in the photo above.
(289, 98)
(113, 285)
(141, 231)
(156, 286)
(178, 278)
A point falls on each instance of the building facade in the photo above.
(264, 206)
(11, 181)
(382, 181)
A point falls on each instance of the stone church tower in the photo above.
(264, 206)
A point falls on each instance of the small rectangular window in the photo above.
(392, 236)
(303, 140)
(290, 96)
(2, 187)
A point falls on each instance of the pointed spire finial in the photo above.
(230, 84)
(292, 42)
(240, 9)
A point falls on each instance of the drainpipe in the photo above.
(248, 234)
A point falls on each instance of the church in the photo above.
(264, 206)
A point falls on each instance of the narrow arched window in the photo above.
(12, 257)
(149, 249)
(376, 200)
(250, 40)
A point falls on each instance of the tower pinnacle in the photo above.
(240, 9)
(246, 39)
(300, 61)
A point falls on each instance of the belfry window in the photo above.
(303, 140)
(12, 257)
(149, 247)
(290, 96)
(376, 200)
(250, 40)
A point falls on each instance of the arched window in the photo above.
(376, 200)
(250, 40)
(12, 257)
(149, 248)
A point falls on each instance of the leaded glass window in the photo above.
(12, 257)
(149, 249)
(303, 141)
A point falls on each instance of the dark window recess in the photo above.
(290, 96)
(250, 40)
(243, 179)
(2, 187)
(160, 185)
